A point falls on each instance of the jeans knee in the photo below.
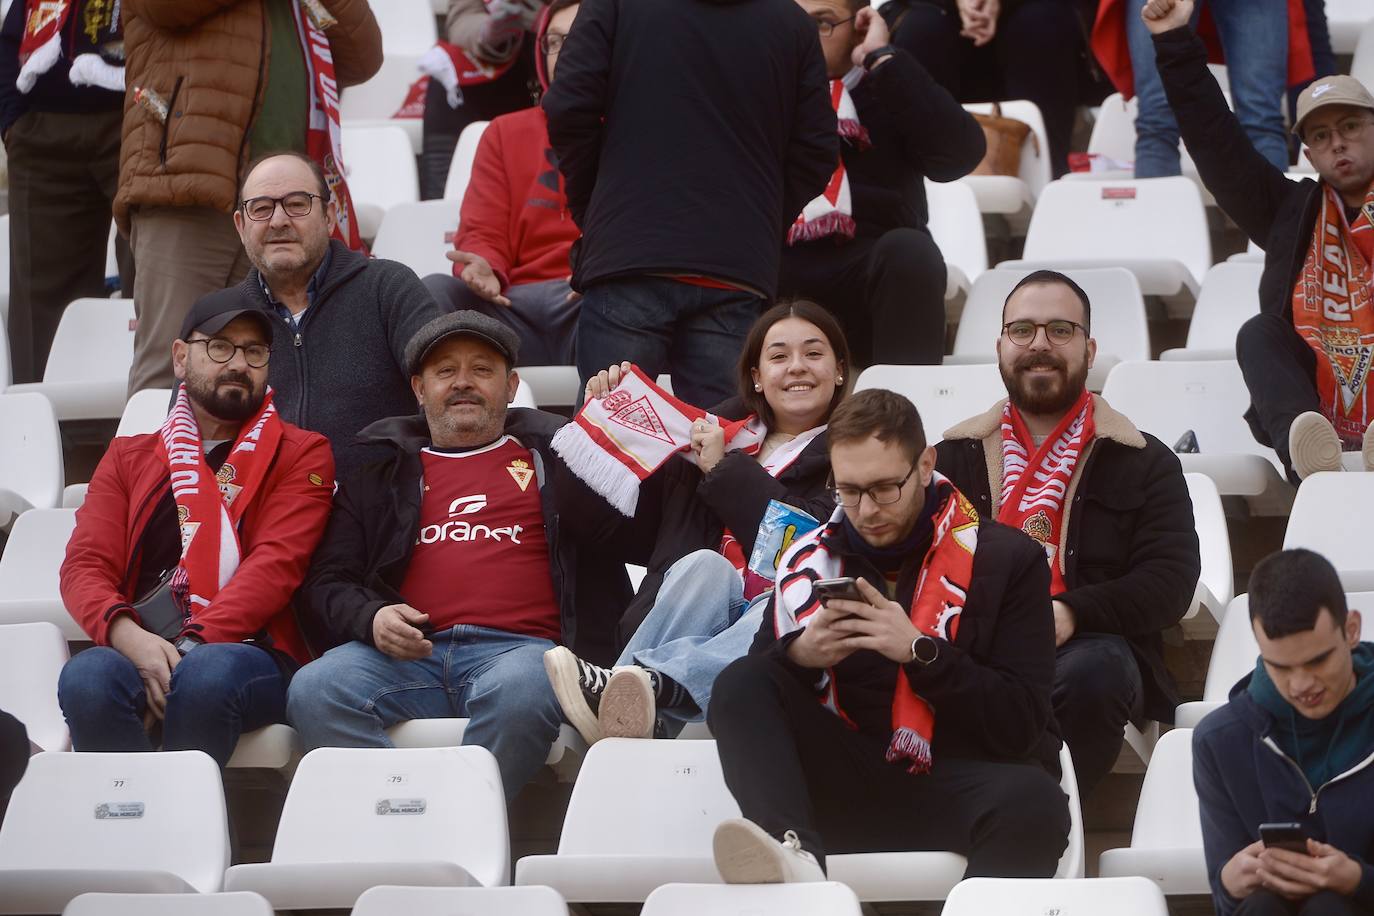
(312, 688)
(91, 681)
(214, 672)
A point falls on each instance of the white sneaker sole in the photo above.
(1313, 445)
(627, 708)
(746, 854)
(561, 666)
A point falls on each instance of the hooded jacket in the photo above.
(1243, 780)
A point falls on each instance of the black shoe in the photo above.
(578, 685)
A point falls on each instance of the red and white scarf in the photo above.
(832, 214)
(1333, 310)
(941, 589)
(614, 443)
(454, 68)
(322, 137)
(41, 46)
(1034, 486)
(210, 505)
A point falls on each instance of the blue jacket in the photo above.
(1244, 780)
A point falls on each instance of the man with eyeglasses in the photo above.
(340, 320)
(187, 550)
(913, 714)
(1307, 356)
(1107, 502)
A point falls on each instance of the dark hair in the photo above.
(876, 412)
(1043, 277)
(559, 5)
(293, 154)
(856, 5)
(806, 310)
(1289, 589)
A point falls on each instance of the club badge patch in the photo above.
(227, 488)
(521, 472)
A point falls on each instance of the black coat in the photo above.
(690, 133)
(362, 559)
(991, 687)
(1130, 557)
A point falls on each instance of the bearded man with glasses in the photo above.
(1108, 504)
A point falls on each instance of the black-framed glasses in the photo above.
(1349, 129)
(827, 28)
(296, 204)
(882, 494)
(221, 351)
(1058, 332)
(551, 42)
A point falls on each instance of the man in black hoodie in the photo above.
(863, 249)
(689, 134)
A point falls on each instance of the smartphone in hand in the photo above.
(1287, 836)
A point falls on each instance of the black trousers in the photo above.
(1097, 690)
(887, 292)
(793, 765)
(1327, 903)
(1035, 54)
(1280, 370)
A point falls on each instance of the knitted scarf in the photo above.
(41, 45)
(1034, 486)
(832, 214)
(941, 589)
(1333, 311)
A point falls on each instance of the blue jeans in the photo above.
(218, 691)
(699, 623)
(351, 695)
(661, 325)
(1254, 36)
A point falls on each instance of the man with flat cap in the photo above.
(187, 550)
(454, 565)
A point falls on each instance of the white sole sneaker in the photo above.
(627, 708)
(1313, 445)
(560, 664)
(746, 854)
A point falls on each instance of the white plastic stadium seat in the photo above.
(1038, 896)
(1346, 19)
(1014, 196)
(943, 395)
(358, 817)
(376, 102)
(1113, 136)
(1329, 516)
(1154, 227)
(137, 823)
(1229, 296)
(417, 234)
(272, 747)
(87, 374)
(1118, 318)
(1166, 842)
(448, 732)
(31, 469)
(553, 385)
(407, 26)
(957, 227)
(145, 412)
(1216, 584)
(827, 898)
(1362, 67)
(31, 658)
(29, 570)
(460, 166)
(6, 370)
(389, 900)
(381, 172)
(240, 904)
(524, 396)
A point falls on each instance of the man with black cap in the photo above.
(452, 567)
(187, 550)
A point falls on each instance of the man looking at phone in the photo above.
(1295, 745)
(1107, 502)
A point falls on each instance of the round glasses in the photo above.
(551, 42)
(221, 351)
(296, 204)
(1058, 332)
(1349, 129)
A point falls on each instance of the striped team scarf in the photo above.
(832, 214)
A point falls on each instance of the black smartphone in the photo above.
(843, 588)
(1287, 836)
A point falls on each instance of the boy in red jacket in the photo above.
(514, 236)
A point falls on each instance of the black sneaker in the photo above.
(578, 685)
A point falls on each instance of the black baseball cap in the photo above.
(213, 312)
(473, 324)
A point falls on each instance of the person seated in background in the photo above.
(15, 751)
(913, 716)
(187, 550)
(1306, 356)
(1294, 745)
(450, 569)
(514, 233)
(698, 607)
(1107, 502)
(863, 248)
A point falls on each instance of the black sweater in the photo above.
(54, 90)
(690, 134)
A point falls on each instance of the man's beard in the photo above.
(1043, 395)
(233, 405)
(474, 431)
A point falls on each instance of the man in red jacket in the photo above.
(510, 257)
(187, 550)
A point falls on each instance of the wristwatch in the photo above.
(873, 56)
(924, 650)
(185, 644)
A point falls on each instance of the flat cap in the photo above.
(470, 323)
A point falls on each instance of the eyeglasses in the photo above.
(827, 28)
(551, 42)
(882, 494)
(1058, 332)
(221, 351)
(296, 204)
(1349, 129)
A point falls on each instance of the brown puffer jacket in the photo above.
(208, 59)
